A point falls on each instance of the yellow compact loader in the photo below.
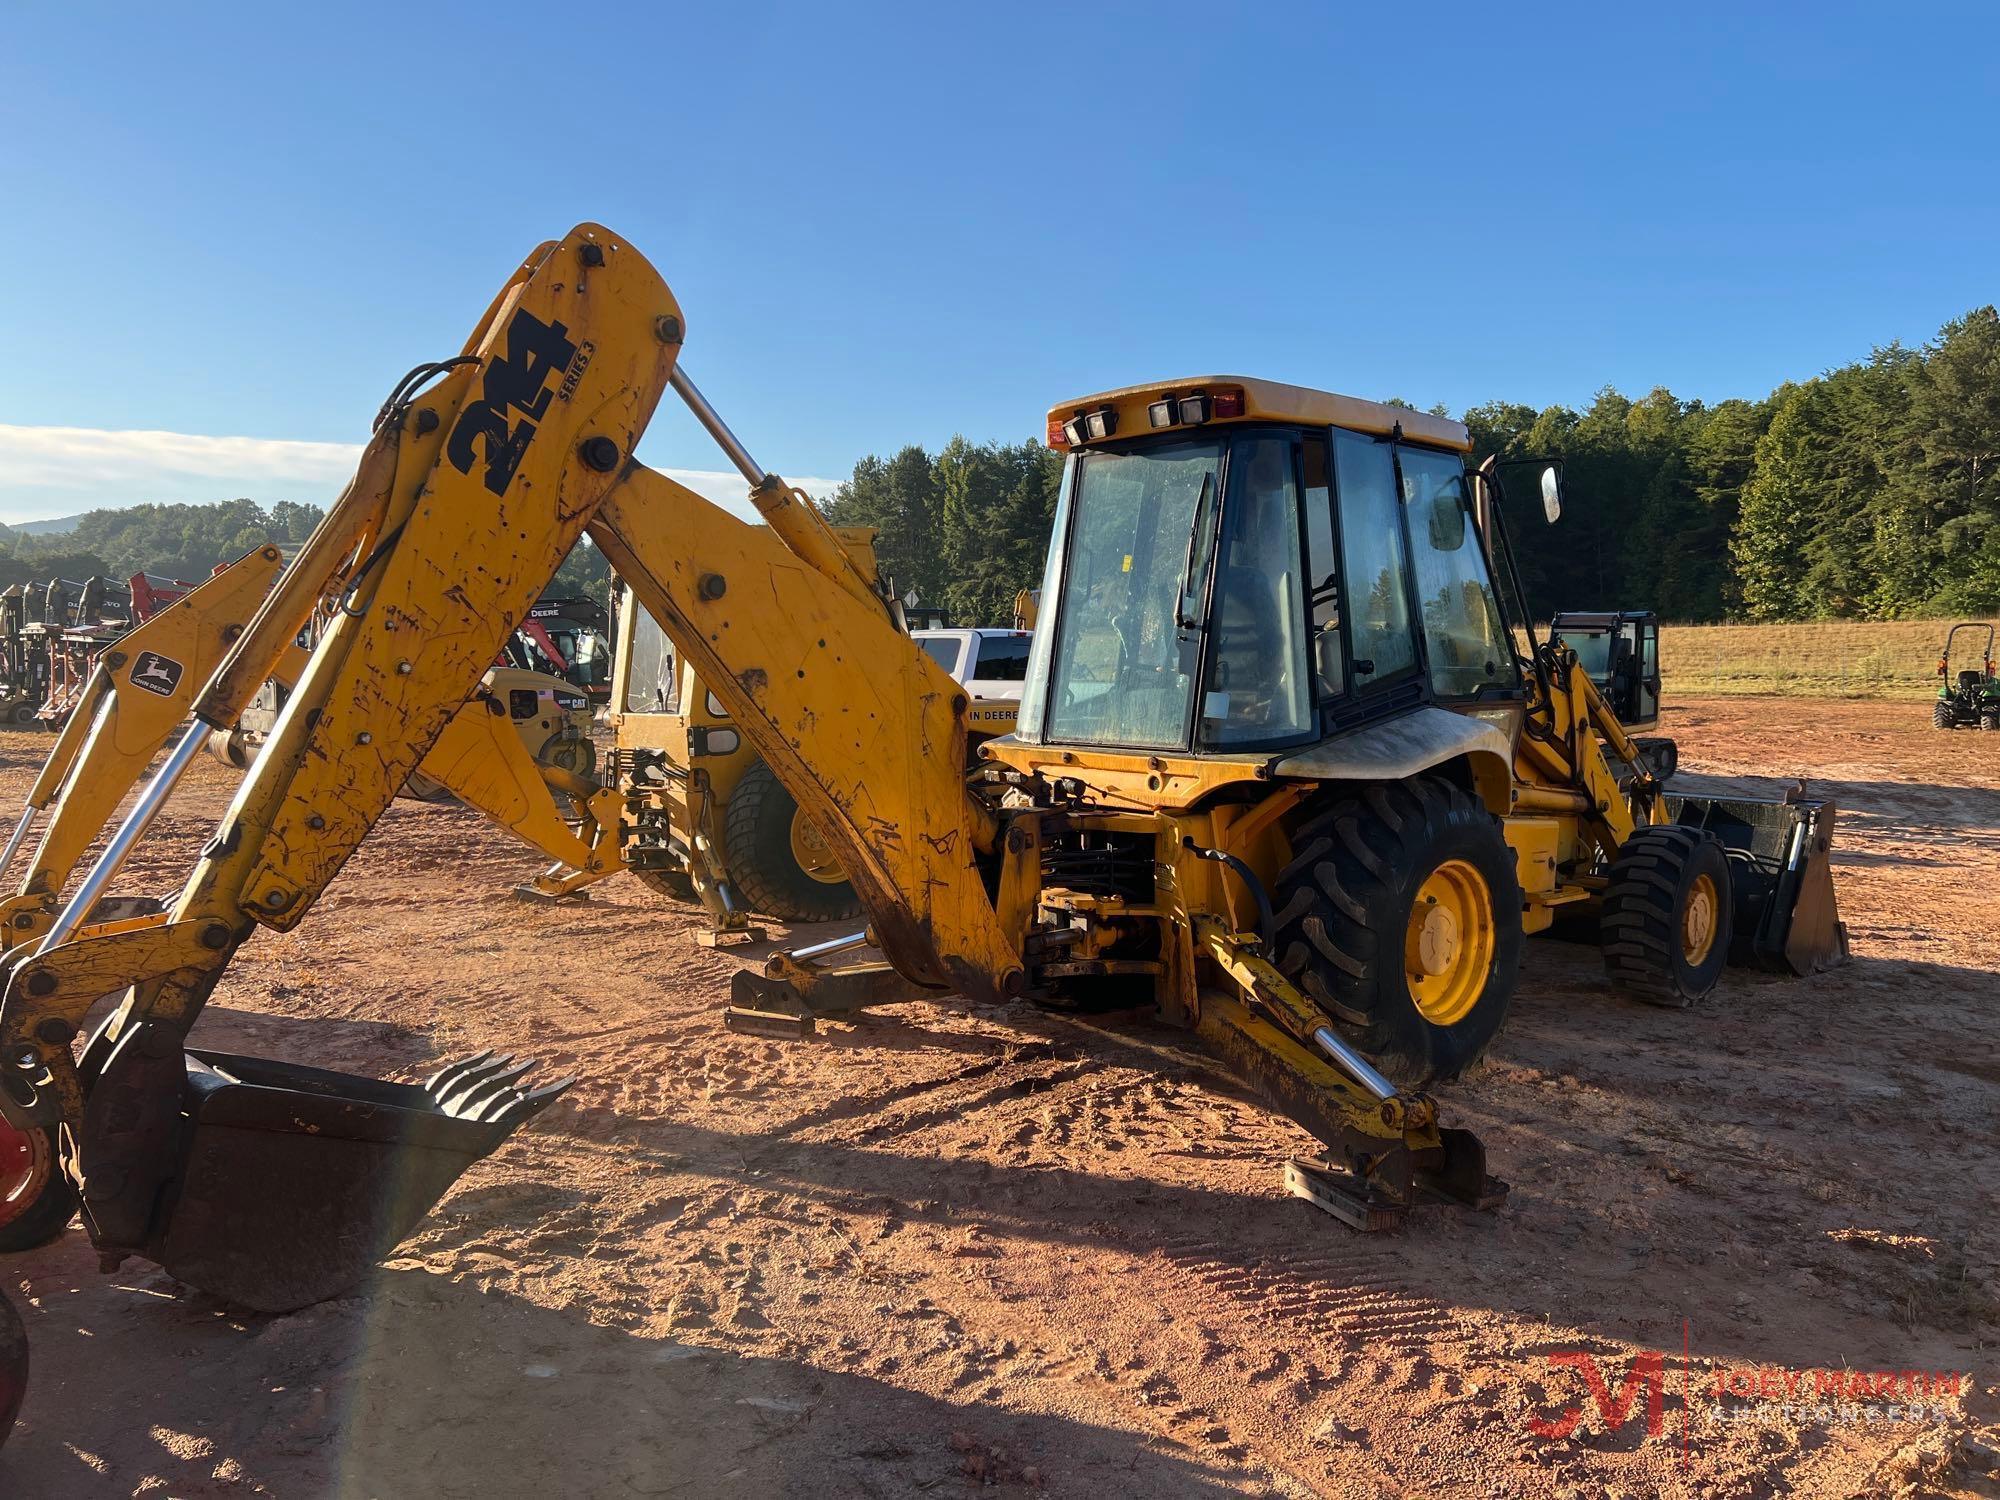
(1278, 775)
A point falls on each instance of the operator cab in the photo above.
(1240, 566)
(1620, 652)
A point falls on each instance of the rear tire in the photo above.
(1989, 722)
(1399, 914)
(36, 1198)
(1665, 922)
(1941, 715)
(576, 754)
(763, 859)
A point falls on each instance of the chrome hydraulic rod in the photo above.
(831, 946)
(1358, 1067)
(787, 511)
(151, 800)
(711, 419)
(20, 836)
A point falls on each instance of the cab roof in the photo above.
(1262, 401)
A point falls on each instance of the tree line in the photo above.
(188, 541)
(171, 541)
(1871, 491)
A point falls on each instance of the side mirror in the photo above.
(1552, 493)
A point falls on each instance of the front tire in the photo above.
(1399, 914)
(1666, 918)
(421, 788)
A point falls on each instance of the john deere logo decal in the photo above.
(156, 673)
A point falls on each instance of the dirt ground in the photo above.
(951, 1248)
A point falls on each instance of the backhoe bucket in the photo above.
(1781, 876)
(293, 1182)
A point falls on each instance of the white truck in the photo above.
(990, 664)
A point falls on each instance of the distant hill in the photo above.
(46, 528)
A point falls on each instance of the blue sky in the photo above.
(888, 224)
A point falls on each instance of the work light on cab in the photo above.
(1194, 408)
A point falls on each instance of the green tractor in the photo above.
(1970, 698)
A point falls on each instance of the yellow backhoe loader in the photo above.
(1277, 774)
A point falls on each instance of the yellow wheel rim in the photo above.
(1698, 919)
(809, 849)
(1449, 944)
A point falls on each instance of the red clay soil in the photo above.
(952, 1248)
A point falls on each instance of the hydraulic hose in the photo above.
(1267, 920)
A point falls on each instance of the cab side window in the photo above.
(1322, 575)
(1255, 690)
(1464, 639)
(1381, 647)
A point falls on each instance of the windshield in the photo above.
(1464, 639)
(1139, 538)
(1256, 690)
(1593, 651)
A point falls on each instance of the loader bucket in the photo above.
(294, 1182)
(1781, 877)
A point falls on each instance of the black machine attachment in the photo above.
(274, 1186)
(1780, 877)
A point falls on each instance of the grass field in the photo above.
(1822, 659)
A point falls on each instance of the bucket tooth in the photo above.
(467, 1097)
(444, 1077)
(468, 1078)
(519, 1105)
(470, 1101)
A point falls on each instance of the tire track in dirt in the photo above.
(1354, 1298)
